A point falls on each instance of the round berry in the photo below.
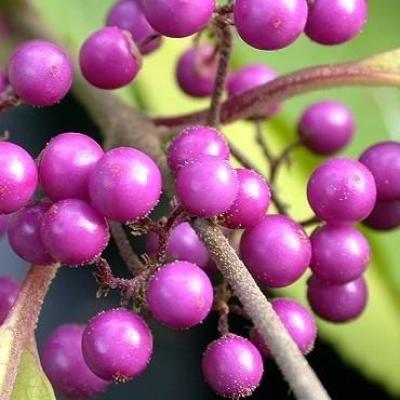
(197, 141)
(178, 18)
(109, 58)
(18, 177)
(24, 234)
(340, 254)
(385, 216)
(74, 232)
(349, 19)
(63, 363)
(197, 69)
(326, 127)
(249, 77)
(9, 289)
(188, 283)
(270, 24)
(207, 186)
(117, 345)
(129, 16)
(298, 321)
(276, 251)
(125, 184)
(71, 155)
(3, 224)
(251, 203)
(183, 244)
(232, 366)
(341, 191)
(337, 302)
(383, 160)
(40, 73)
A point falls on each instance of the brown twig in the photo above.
(281, 159)
(260, 138)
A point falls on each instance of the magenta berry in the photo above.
(183, 244)
(383, 160)
(188, 283)
(385, 216)
(24, 234)
(249, 77)
(40, 73)
(117, 345)
(63, 363)
(341, 191)
(270, 24)
(109, 58)
(74, 232)
(18, 177)
(129, 16)
(326, 127)
(276, 251)
(349, 19)
(197, 141)
(3, 224)
(207, 186)
(125, 184)
(232, 366)
(178, 18)
(197, 69)
(337, 302)
(298, 321)
(340, 254)
(251, 203)
(9, 289)
(71, 155)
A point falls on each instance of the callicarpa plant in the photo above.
(229, 241)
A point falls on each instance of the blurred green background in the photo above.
(370, 346)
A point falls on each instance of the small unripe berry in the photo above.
(40, 73)
(385, 216)
(9, 289)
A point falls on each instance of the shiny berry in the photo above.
(63, 363)
(385, 216)
(117, 345)
(276, 251)
(74, 232)
(40, 73)
(70, 155)
(9, 289)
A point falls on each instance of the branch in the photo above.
(293, 365)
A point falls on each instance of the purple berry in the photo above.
(232, 366)
(3, 224)
(249, 77)
(71, 155)
(117, 345)
(18, 177)
(251, 203)
(340, 254)
(197, 69)
(178, 18)
(326, 127)
(63, 363)
(183, 244)
(196, 141)
(277, 251)
(337, 302)
(349, 18)
(207, 186)
(298, 321)
(74, 232)
(125, 184)
(9, 289)
(270, 24)
(129, 16)
(109, 58)
(341, 191)
(40, 73)
(24, 234)
(188, 283)
(385, 216)
(383, 160)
